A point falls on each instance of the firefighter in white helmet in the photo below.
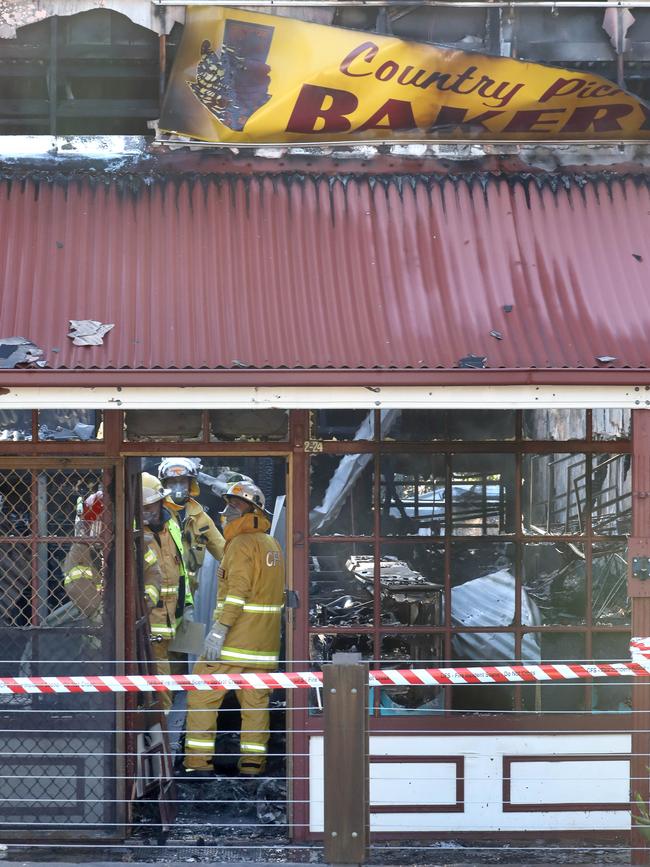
(180, 477)
(175, 602)
(245, 635)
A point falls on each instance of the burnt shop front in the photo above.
(413, 537)
(445, 403)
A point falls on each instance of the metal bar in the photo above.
(346, 765)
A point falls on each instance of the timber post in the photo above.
(346, 764)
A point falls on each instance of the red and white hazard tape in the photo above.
(305, 679)
(640, 648)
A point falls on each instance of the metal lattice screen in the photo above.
(59, 753)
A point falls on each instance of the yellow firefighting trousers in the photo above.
(167, 662)
(202, 711)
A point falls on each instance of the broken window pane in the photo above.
(412, 495)
(610, 602)
(341, 495)
(322, 648)
(70, 424)
(483, 584)
(231, 425)
(414, 425)
(483, 494)
(555, 424)
(562, 695)
(481, 424)
(483, 648)
(611, 493)
(411, 651)
(611, 424)
(554, 494)
(16, 425)
(341, 584)
(412, 584)
(614, 693)
(343, 424)
(162, 424)
(555, 582)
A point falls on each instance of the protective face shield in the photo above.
(179, 489)
(233, 511)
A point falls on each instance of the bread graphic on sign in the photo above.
(232, 83)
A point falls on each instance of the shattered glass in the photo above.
(610, 604)
(415, 425)
(611, 495)
(554, 576)
(483, 494)
(554, 494)
(412, 494)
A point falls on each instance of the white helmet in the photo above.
(247, 491)
(152, 490)
(171, 468)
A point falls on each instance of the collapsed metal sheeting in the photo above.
(490, 601)
(88, 332)
(19, 352)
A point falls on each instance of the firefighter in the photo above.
(175, 603)
(245, 635)
(180, 476)
(83, 566)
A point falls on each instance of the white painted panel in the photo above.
(484, 781)
(413, 783)
(570, 782)
(187, 396)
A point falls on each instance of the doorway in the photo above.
(227, 806)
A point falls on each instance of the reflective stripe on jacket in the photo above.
(251, 593)
(167, 547)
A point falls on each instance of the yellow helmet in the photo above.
(152, 490)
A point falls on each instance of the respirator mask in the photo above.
(179, 490)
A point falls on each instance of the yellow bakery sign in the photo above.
(241, 77)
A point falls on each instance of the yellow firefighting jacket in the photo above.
(175, 592)
(199, 532)
(251, 593)
(82, 571)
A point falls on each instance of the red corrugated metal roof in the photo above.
(293, 271)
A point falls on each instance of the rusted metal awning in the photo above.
(329, 279)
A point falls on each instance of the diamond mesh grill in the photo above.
(57, 768)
